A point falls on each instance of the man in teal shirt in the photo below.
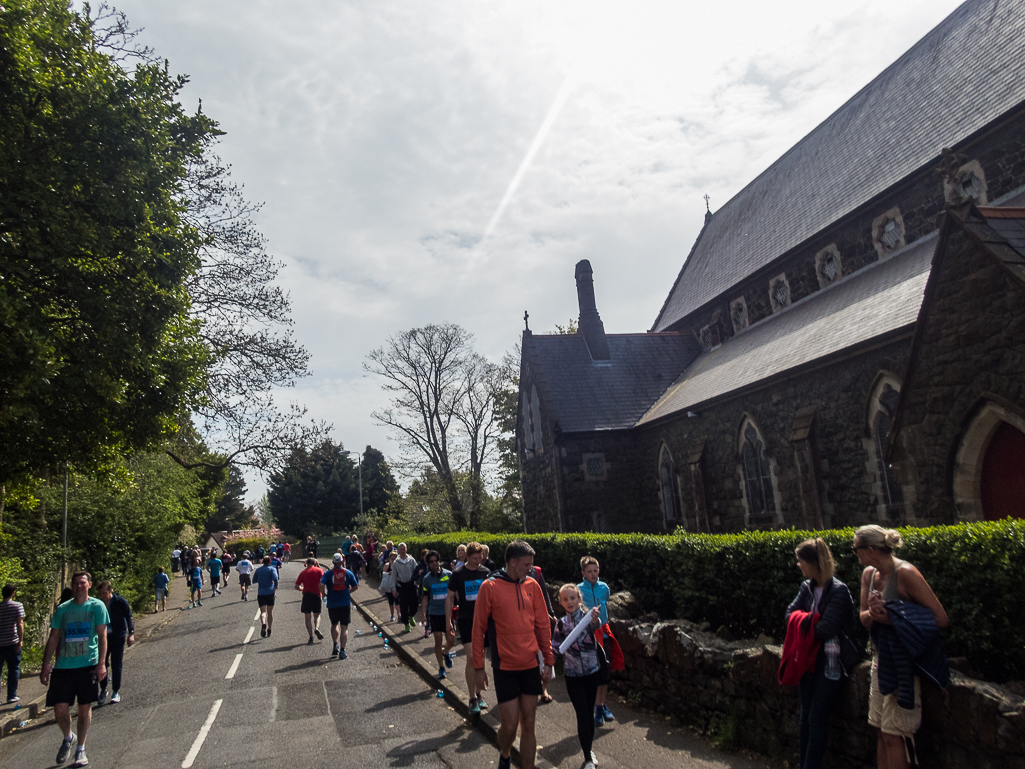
(79, 629)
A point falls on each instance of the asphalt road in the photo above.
(285, 703)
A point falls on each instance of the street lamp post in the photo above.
(359, 465)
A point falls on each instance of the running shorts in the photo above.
(311, 603)
(339, 615)
(438, 623)
(214, 581)
(245, 579)
(510, 684)
(69, 684)
(265, 600)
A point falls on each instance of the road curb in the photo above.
(486, 723)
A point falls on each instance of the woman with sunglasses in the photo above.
(886, 578)
(823, 594)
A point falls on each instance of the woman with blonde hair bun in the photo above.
(823, 594)
(890, 584)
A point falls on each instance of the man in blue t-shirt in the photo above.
(78, 641)
(266, 579)
(214, 565)
(336, 586)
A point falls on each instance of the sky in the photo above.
(452, 160)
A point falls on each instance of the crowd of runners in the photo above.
(508, 613)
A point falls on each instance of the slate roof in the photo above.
(1002, 230)
(879, 299)
(1009, 224)
(583, 395)
(965, 73)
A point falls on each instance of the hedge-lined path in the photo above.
(635, 739)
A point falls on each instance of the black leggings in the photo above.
(582, 690)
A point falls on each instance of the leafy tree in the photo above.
(443, 408)
(315, 493)
(379, 485)
(231, 511)
(100, 352)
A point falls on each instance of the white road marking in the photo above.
(249, 635)
(273, 704)
(201, 737)
(257, 615)
(234, 666)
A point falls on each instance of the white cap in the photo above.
(338, 557)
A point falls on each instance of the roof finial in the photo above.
(708, 208)
(526, 320)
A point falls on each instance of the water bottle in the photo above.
(441, 694)
(833, 659)
(359, 632)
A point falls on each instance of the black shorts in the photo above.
(339, 615)
(245, 579)
(603, 668)
(438, 623)
(69, 684)
(265, 600)
(510, 684)
(311, 603)
(465, 630)
(215, 581)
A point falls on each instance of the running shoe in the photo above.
(334, 650)
(115, 698)
(483, 705)
(13, 699)
(316, 632)
(594, 759)
(607, 713)
(504, 762)
(412, 621)
(199, 603)
(407, 627)
(442, 673)
(448, 659)
(81, 759)
(263, 630)
(474, 707)
(342, 654)
(427, 631)
(310, 642)
(268, 632)
(102, 699)
(599, 715)
(588, 765)
(65, 749)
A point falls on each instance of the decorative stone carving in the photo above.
(779, 292)
(828, 265)
(738, 314)
(888, 233)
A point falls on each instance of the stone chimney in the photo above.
(590, 323)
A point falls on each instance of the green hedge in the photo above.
(745, 581)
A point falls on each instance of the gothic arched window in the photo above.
(755, 466)
(881, 412)
(669, 487)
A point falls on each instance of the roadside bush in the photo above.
(745, 581)
(248, 543)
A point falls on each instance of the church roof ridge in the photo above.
(965, 73)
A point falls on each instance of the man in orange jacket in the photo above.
(511, 610)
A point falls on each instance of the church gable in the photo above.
(966, 366)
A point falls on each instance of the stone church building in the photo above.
(845, 342)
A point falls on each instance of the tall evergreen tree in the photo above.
(315, 492)
(379, 485)
(232, 511)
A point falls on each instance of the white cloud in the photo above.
(382, 137)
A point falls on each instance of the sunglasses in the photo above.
(856, 548)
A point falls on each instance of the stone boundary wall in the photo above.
(677, 668)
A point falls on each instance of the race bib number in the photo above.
(77, 632)
(472, 588)
(439, 591)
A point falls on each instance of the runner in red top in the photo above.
(288, 553)
(308, 582)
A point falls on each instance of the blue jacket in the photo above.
(909, 645)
